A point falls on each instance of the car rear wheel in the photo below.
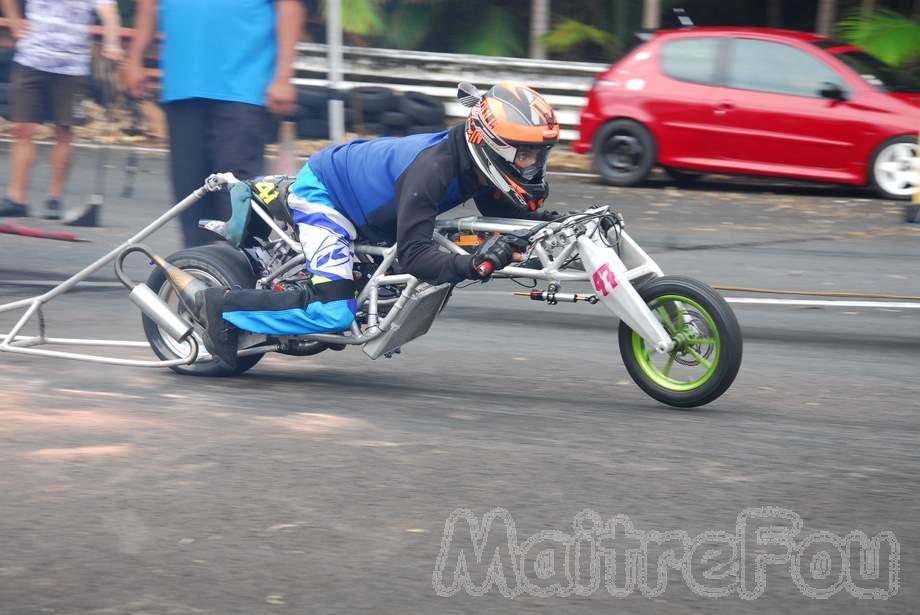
(624, 152)
(893, 169)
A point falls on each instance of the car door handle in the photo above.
(723, 108)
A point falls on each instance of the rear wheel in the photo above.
(707, 344)
(216, 265)
(624, 152)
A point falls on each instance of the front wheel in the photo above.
(707, 344)
(894, 166)
(215, 265)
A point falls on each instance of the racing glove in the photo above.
(498, 252)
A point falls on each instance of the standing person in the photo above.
(50, 70)
(223, 63)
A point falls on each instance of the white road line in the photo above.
(128, 147)
(111, 146)
(897, 305)
(893, 305)
(50, 283)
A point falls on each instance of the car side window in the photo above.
(765, 66)
(691, 59)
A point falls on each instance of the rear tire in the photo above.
(709, 350)
(217, 265)
(624, 152)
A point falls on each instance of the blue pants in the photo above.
(328, 304)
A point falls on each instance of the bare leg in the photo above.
(21, 162)
(60, 161)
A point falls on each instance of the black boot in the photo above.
(220, 337)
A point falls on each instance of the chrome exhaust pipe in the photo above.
(150, 303)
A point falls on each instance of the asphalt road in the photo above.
(330, 484)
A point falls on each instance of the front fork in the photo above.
(608, 276)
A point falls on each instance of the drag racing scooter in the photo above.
(678, 338)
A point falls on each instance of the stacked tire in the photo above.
(6, 66)
(313, 111)
(379, 111)
(369, 110)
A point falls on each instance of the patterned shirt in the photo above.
(58, 40)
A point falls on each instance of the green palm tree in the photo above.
(890, 37)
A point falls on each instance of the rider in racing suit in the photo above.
(392, 189)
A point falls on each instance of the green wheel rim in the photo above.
(684, 347)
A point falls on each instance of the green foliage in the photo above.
(571, 33)
(890, 37)
(494, 35)
(361, 17)
(408, 25)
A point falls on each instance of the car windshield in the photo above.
(878, 74)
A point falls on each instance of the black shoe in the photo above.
(52, 209)
(220, 337)
(11, 209)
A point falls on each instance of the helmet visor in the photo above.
(530, 160)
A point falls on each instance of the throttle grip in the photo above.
(485, 268)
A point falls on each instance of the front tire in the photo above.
(708, 344)
(624, 152)
(893, 168)
(216, 265)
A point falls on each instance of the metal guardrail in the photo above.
(564, 84)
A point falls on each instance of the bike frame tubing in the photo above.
(13, 342)
(638, 263)
(610, 272)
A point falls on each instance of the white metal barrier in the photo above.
(564, 84)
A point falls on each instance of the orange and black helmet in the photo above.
(509, 132)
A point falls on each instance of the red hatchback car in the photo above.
(754, 101)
